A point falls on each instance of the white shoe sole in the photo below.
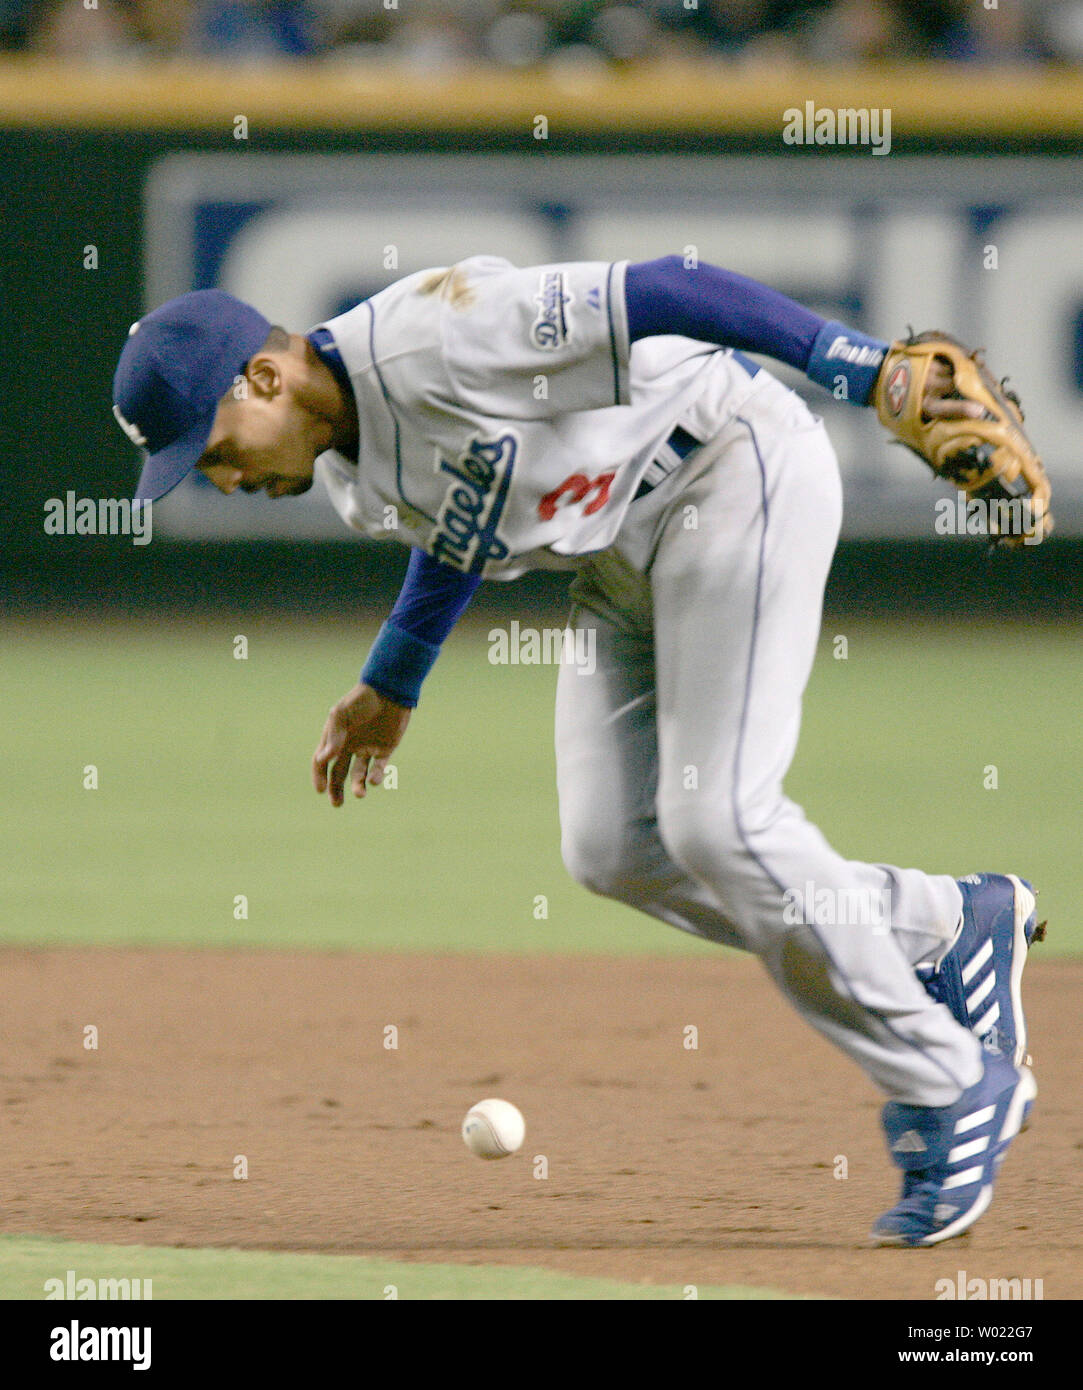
(1024, 910)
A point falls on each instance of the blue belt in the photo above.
(681, 442)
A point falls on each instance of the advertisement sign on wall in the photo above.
(989, 249)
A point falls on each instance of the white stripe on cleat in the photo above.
(976, 962)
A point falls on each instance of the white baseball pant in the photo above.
(671, 754)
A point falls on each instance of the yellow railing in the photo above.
(700, 99)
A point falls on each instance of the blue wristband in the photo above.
(845, 362)
(398, 664)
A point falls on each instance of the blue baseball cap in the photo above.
(178, 363)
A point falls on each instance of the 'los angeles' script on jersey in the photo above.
(465, 534)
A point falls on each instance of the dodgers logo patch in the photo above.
(549, 330)
(465, 534)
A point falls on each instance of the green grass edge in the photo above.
(227, 1273)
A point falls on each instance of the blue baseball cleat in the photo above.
(981, 976)
(950, 1154)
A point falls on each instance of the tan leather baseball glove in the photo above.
(976, 440)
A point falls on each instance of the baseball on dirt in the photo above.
(493, 1129)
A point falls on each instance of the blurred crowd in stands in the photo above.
(431, 35)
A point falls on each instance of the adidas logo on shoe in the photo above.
(956, 1149)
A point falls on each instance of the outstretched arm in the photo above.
(719, 306)
(432, 599)
(367, 724)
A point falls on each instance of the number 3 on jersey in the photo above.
(576, 488)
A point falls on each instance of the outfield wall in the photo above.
(306, 189)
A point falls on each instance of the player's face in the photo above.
(262, 443)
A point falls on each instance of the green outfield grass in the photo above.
(27, 1262)
(204, 791)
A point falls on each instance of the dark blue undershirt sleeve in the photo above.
(713, 305)
(432, 599)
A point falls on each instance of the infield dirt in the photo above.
(754, 1157)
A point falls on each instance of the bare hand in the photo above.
(938, 403)
(363, 728)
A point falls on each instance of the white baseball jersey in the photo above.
(505, 421)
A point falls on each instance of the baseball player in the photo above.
(604, 418)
